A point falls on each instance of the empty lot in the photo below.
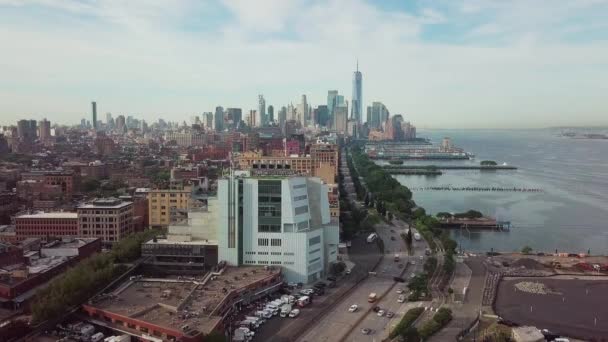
(572, 307)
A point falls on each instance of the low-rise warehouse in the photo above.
(181, 308)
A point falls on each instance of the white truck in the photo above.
(97, 337)
(417, 236)
(372, 237)
(286, 309)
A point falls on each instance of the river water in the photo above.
(571, 214)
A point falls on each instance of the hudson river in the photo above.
(571, 214)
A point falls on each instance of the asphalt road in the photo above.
(464, 314)
(339, 324)
(280, 329)
(380, 326)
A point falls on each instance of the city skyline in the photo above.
(441, 64)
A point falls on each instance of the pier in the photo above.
(476, 188)
(392, 168)
(475, 223)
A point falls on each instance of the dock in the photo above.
(482, 223)
(391, 168)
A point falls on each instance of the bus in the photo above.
(372, 237)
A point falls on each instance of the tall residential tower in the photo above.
(94, 108)
(357, 100)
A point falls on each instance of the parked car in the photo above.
(331, 278)
(390, 314)
(366, 331)
(294, 313)
(376, 308)
(401, 299)
(381, 313)
(400, 291)
(320, 284)
(353, 308)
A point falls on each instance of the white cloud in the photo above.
(135, 58)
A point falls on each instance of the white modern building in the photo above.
(277, 221)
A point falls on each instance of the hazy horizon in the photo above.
(441, 64)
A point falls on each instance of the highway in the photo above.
(341, 325)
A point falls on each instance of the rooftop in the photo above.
(41, 214)
(69, 243)
(175, 302)
(110, 203)
(173, 242)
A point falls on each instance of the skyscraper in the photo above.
(26, 130)
(341, 118)
(45, 130)
(235, 114)
(270, 113)
(379, 114)
(331, 103)
(282, 116)
(208, 117)
(262, 111)
(357, 100)
(303, 116)
(121, 124)
(94, 108)
(322, 116)
(219, 118)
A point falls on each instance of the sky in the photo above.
(441, 64)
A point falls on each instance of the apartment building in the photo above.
(166, 206)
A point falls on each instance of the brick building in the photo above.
(109, 219)
(69, 181)
(46, 225)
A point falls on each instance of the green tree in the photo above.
(215, 337)
(90, 185)
(443, 316)
(443, 215)
(419, 213)
(410, 335)
(488, 163)
(526, 250)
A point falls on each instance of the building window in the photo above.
(269, 228)
(313, 241)
(302, 225)
(262, 242)
(314, 260)
(301, 210)
(275, 242)
(299, 186)
(314, 251)
(300, 198)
